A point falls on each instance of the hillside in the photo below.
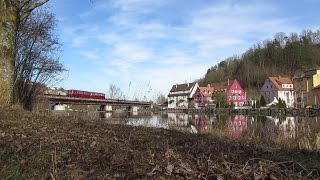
(286, 55)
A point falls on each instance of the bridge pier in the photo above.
(107, 108)
(134, 108)
(59, 107)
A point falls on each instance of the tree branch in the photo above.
(27, 12)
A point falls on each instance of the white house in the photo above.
(181, 95)
(279, 88)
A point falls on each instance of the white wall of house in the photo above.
(178, 101)
(181, 101)
(288, 97)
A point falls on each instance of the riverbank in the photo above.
(41, 146)
(306, 112)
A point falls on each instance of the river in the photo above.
(293, 132)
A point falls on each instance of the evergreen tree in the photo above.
(262, 101)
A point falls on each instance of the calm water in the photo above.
(295, 132)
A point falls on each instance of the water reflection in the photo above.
(295, 132)
(237, 125)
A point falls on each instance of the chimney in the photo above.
(176, 85)
(188, 84)
(208, 85)
(228, 82)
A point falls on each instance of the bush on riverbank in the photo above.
(41, 146)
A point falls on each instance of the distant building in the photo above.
(304, 86)
(199, 99)
(278, 88)
(55, 91)
(181, 95)
(233, 91)
(208, 92)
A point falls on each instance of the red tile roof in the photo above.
(225, 85)
(207, 91)
(278, 81)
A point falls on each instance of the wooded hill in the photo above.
(285, 55)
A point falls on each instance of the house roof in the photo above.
(222, 85)
(307, 74)
(317, 87)
(207, 91)
(182, 87)
(310, 73)
(278, 81)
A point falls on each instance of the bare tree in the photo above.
(114, 92)
(161, 99)
(37, 63)
(12, 13)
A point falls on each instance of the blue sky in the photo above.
(145, 46)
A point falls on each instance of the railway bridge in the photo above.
(104, 104)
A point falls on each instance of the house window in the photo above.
(230, 97)
(239, 91)
(232, 91)
(234, 97)
(239, 97)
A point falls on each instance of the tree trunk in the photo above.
(12, 12)
(8, 21)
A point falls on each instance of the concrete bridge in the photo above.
(104, 104)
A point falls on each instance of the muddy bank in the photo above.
(41, 146)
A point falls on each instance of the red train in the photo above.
(85, 94)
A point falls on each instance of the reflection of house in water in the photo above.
(194, 124)
(237, 125)
(286, 125)
(301, 132)
(200, 120)
(178, 119)
(105, 115)
(203, 123)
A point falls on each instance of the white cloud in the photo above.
(131, 52)
(137, 6)
(89, 54)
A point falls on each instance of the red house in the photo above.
(233, 90)
(199, 98)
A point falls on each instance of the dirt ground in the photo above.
(39, 146)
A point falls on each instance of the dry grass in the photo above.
(43, 147)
